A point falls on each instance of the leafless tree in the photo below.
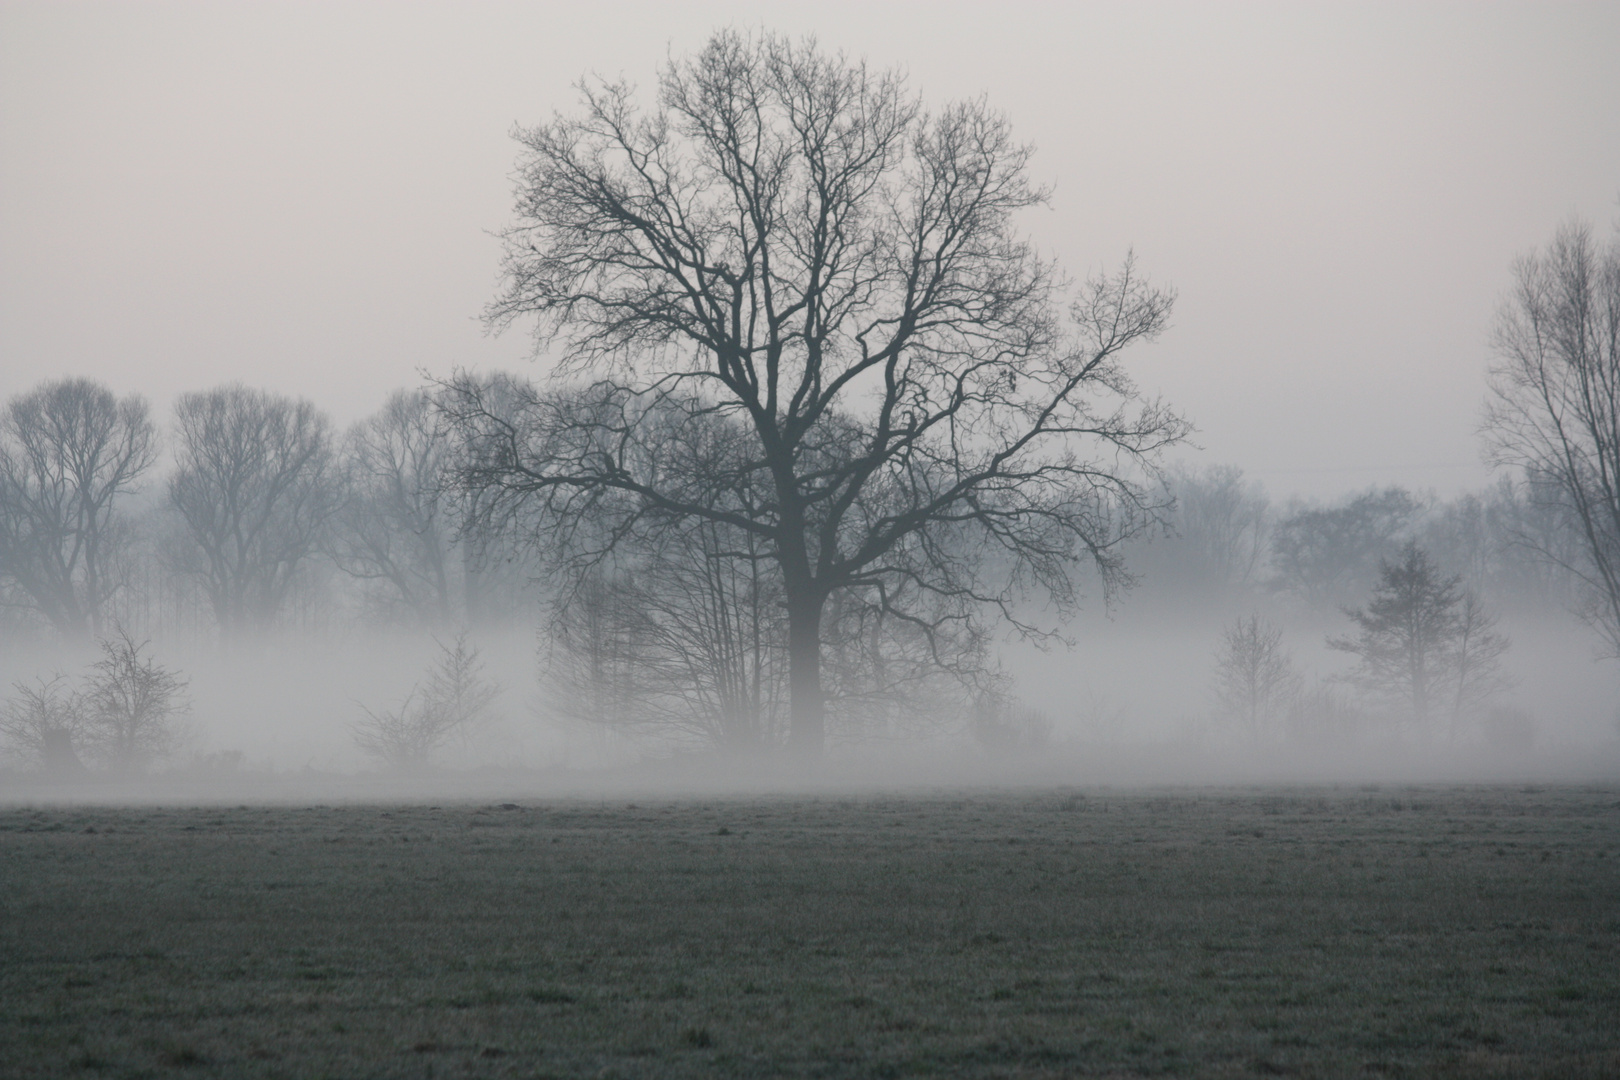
(789, 242)
(1255, 680)
(42, 724)
(130, 706)
(256, 483)
(1476, 660)
(455, 699)
(1554, 409)
(68, 449)
(678, 639)
(397, 529)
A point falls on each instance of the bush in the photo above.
(455, 699)
(130, 706)
(41, 725)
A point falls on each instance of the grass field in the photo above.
(1352, 932)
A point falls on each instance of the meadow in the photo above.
(1357, 931)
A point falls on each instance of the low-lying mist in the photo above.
(284, 717)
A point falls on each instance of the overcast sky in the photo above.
(301, 196)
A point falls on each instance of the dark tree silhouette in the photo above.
(67, 451)
(818, 289)
(1555, 404)
(256, 483)
(43, 724)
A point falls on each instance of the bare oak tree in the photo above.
(1554, 409)
(257, 486)
(67, 451)
(789, 243)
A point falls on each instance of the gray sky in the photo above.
(301, 196)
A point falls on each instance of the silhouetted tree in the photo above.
(1555, 403)
(790, 243)
(68, 449)
(1255, 680)
(1424, 643)
(676, 639)
(257, 485)
(1218, 537)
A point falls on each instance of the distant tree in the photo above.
(68, 449)
(1255, 680)
(397, 528)
(1328, 555)
(1554, 409)
(42, 724)
(1535, 544)
(453, 701)
(1424, 643)
(1218, 537)
(791, 243)
(257, 485)
(131, 705)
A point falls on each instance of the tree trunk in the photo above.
(806, 712)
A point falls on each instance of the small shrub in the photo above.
(456, 698)
(41, 725)
(131, 705)
(125, 715)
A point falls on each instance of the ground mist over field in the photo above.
(274, 717)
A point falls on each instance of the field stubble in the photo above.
(1353, 932)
